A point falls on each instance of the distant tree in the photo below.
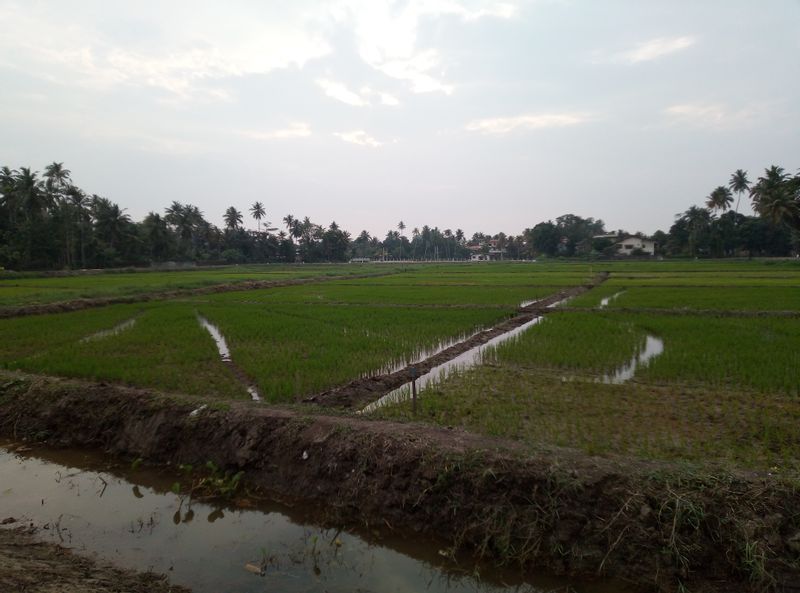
(258, 212)
(233, 218)
(719, 199)
(739, 184)
(776, 196)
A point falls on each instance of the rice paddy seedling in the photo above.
(508, 297)
(751, 353)
(761, 298)
(22, 337)
(166, 349)
(293, 351)
(582, 341)
(26, 290)
(735, 428)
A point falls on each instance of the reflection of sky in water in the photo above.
(206, 547)
(463, 361)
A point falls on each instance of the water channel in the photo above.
(129, 517)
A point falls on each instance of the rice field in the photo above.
(17, 290)
(725, 387)
(718, 298)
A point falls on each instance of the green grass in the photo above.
(363, 293)
(684, 423)
(21, 337)
(294, 351)
(735, 353)
(582, 341)
(25, 290)
(732, 298)
(166, 349)
(740, 279)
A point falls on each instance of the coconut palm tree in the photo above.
(719, 199)
(401, 226)
(79, 203)
(8, 194)
(739, 184)
(57, 178)
(258, 212)
(28, 188)
(233, 218)
(776, 196)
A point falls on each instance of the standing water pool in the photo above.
(130, 518)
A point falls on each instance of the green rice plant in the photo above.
(292, 351)
(731, 298)
(581, 341)
(750, 353)
(22, 337)
(699, 424)
(26, 290)
(508, 297)
(166, 349)
(727, 278)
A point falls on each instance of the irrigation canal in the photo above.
(130, 517)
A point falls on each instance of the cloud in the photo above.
(294, 130)
(359, 137)
(189, 53)
(386, 34)
(656, 48)
(505, 125)
(382, 97)
(340, 92)
(710, 115)
(646, 51)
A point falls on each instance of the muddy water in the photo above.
(463, 361)
(130, 518)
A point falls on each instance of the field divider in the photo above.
(80, 304)
(360, 392)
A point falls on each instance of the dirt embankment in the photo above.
(29, 566)
(363, 391)
(79, 304)
(671, 528)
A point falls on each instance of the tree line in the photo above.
(47, 222)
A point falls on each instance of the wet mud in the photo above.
(665, 526)
(31, 566)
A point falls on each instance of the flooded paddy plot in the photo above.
(133, 519)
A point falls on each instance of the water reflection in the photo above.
(463, 361)
(107, 333)
(212, 548)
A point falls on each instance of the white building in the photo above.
(630, 244)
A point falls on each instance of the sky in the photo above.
(484, 116)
